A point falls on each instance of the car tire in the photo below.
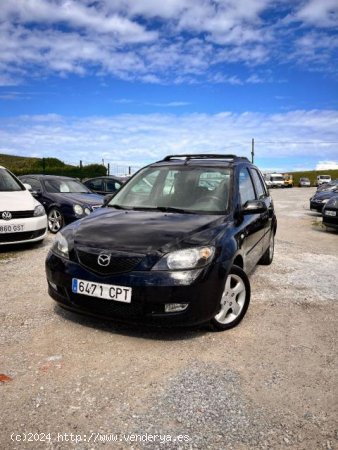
(267, 258)
(55, 220)
(236, 293)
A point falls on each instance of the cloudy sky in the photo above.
(129, 81)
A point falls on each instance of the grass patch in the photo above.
(312, 175)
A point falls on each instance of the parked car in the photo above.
(22, 218)
(104, 185)
(330, 212)
(328, 186)
(64, 199)
(173, 247)
(321, 179)
(304, 182)
(321, 198)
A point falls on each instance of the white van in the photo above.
(274, 180)
(22, 218)
(321, 179)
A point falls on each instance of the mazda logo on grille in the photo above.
(103, 259)
(6, 215)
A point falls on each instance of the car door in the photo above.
(252, 226)
(262, 194)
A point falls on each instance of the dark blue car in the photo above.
(174, 246)
(64, 199)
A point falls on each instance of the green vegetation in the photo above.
(312, 175)
(22, 165)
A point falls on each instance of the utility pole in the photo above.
(252, 150)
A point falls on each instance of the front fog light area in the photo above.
(175, 307)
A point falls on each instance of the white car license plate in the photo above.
(330, 213)
(106, 291)
(11, 228)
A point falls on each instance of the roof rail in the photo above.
(187, 157)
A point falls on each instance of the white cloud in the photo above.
(327, 165)
(138, 139)
(322, 13)
(173, 41)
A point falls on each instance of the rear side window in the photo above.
(246, 188)
(260, 188)
(95, 184)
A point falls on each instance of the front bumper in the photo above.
(151, 290)
(330, 221)
(315, 206)
(32, 229)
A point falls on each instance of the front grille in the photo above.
(19, 214)
(24, 236)
(110, 308)
(119, 263)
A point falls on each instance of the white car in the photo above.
(22, 218)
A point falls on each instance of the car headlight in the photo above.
(87, 211)
(191, 258)
(325, 201)
(39, 210)
(78, 210)
(60, 245)
(333, 202)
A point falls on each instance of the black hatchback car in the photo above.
(64, 199)
(318, 201)
(174, 246)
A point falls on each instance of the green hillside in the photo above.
(312, 175)
(22, 165)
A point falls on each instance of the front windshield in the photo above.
(191, 189)
(8, 183)
(55, 185)
(277, 178)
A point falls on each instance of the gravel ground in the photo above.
(270, 383)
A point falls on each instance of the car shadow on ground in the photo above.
(133, 329)
(11, 250)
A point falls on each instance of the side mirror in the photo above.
(254, 207)
(28, 186)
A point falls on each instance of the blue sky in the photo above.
(130, 81)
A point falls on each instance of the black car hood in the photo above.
(145, 231)
(323, 195)
(81, 198)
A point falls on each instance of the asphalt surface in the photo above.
(271, 383)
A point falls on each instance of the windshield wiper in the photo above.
(118, 207)
(173, 209)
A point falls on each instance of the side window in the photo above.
(246, 188)
(96, 185)
(36, 186)
(112, 185)
(260, 188)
